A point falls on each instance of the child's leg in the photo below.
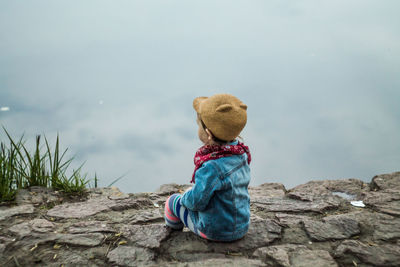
(179, 214)
(169, 213)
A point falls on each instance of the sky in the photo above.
(116, 81)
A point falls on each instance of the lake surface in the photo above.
(116, 80)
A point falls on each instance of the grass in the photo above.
(45, 167)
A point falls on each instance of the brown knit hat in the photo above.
(223, 114)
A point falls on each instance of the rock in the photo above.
(38, 225)
(149, 236)
(386, 201)
(80, 209)
(90, 227)
(291, 205)
(332, 228)
(382, 255)
(146, 216)
(36, 195)
(270, 190)
(130, 203)
(310, 225)
(315, 189)
(87, 240)
(386, 181)
(386, 228)
(169, 189)
(130, 256)
(17, 210)
(261, 233)
(294, 255)
(290, 219)
(235, 262)
(4, 241)
(96, 205)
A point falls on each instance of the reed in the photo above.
(20, 168)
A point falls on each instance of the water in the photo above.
(344, 195)
(117, 80)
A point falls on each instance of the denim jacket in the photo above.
(219, 202)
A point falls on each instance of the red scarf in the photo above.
(210, 152)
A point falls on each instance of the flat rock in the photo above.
(286, 219)
(261, 233)
(234, 261)
(145, 216)
(315, 189)
(332, 228)
(386, 181)
(37, 225)
(149, 236)
(382, 255)
(169, 189)
(294, 255)
(80, 209)
(270, 190)
(377, 225)
(36, 195)
(17, 210)
(292, 205)
(385, 201)
(87, 240)
(96, 205)
(90, 227)
(386, 228)
(130, 256)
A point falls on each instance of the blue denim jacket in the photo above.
(219, 202)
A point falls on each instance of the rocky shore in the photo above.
(314, 224)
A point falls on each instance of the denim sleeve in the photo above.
(207, 182)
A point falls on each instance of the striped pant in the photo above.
(177, 216)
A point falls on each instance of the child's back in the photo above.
(218, 205)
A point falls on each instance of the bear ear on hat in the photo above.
(243, 106)
(197, 101)
(224, 108)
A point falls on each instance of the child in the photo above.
(218, 205)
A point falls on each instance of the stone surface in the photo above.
(89, 240)
(291, 205)
(79, 209)
(149, 236)
(386, 201)
(37, 225)
(309, 225)
(270, 190)
(96, 205)
(315, 189)
(146, 216)
(37, 195)
(332, 228)
(17, 210)
(290, 219)
(376, 255)
(235, 262)
(130, 256)
(90, 227)
(386, 181)
(294, 255)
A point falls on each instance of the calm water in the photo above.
(116, 80)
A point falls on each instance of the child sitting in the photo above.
(218, 205)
